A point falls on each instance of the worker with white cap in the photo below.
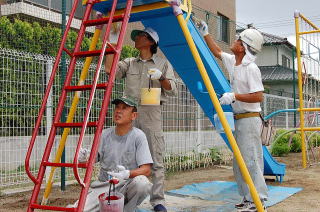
(245, 98)
(147, 71)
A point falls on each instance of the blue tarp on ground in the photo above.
(224, 195)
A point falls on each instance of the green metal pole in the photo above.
(62, 78)
(294, 88)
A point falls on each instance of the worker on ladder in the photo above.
(245, 98)
(148, 71)
(124, 154)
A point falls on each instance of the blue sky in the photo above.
(276, 16)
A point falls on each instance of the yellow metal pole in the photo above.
(217, 106)
(310, 129)
(70, 117)
(189, 4)
(309, 109)
(303, 146)
(309, 32)
(309, 22)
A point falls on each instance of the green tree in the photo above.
(128, 51)
(20, 98)
(22, 37)
(6, 31)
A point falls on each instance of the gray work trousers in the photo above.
(150, 122)
(247, 134)
(135, 190)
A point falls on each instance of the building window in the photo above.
(223, 28)
(285, 61)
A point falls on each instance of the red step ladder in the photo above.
(107, 48)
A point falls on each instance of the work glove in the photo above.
(99, 15)
(175, 4)
(227, 98)
(203, 28)
(154, 73)
(83, 155)
(123, 173)
(114, 33)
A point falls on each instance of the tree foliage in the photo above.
(34, 38)
(22, 78)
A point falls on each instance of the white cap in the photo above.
(252, 38)
(148, 30)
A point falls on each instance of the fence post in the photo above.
(265, 112)
(199, 137)
(62, 78)
(287, 114)
(48, 110)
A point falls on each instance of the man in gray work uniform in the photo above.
(124, 154)
(137, 73)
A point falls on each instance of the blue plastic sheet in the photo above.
(224, 195)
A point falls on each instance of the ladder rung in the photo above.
(71, 165)
(51, 208)
(78, 124)
(100, 21)
(67, 51)
(93, 53)
(85, 87)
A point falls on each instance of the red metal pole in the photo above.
(105, 104)
(47, 92)
(52, 134)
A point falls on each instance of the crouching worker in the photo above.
(124, 154)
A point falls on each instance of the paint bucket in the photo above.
(217, 122)
(115, 204)
(150, 96)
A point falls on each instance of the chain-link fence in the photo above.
(23, 79)
(191, 141)
(28, 44)
(30, 35)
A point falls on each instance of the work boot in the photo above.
(159, 208)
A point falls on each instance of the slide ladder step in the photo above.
(93, 53)
(71, 165)
(85, 87)
(76, 124)
(51, 208)
(100, 21)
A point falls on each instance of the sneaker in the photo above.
(159, 208)
(250, 207)
(241, 204)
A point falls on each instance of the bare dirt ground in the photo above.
(307, 200)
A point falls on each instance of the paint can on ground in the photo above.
(115, 204)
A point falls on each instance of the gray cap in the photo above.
(128, 100)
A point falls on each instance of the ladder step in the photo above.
(78, 124)
(100, 21)
(93, 53)
(51, 208)
(85, 87)
(71, 165)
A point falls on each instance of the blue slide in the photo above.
(174, 45)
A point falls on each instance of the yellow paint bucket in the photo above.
(150, 96)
